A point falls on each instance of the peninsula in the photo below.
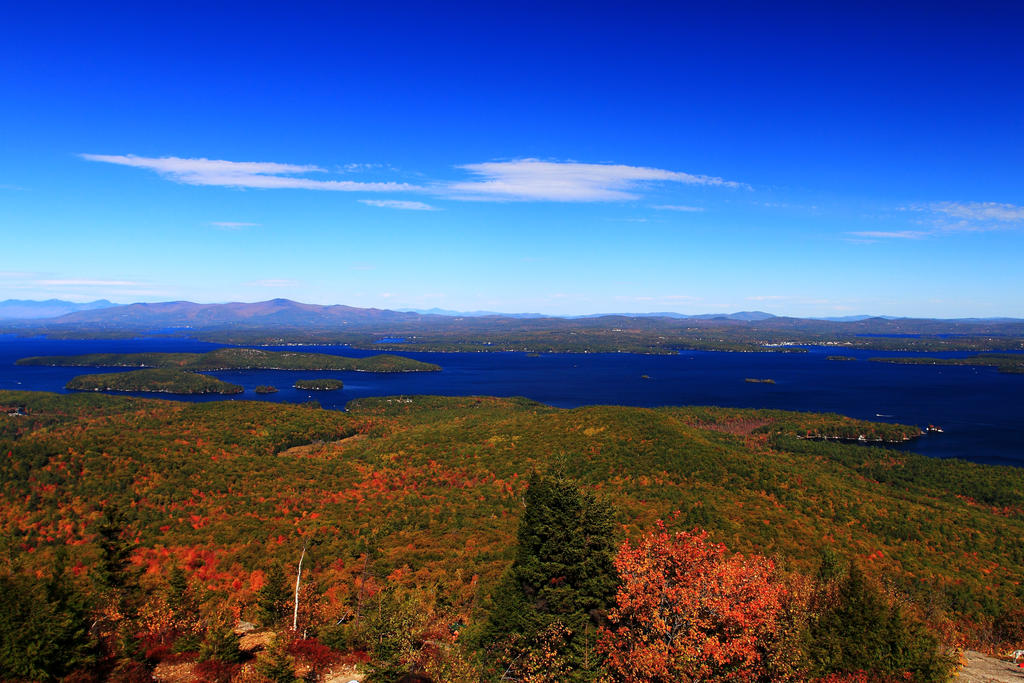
(158, 381)
(236, 359)
(1010, 363)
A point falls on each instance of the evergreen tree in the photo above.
(113, 572)
(563, 573)
(184, 611)
(857, 629)
(272, 598)
(178, 597)
(221, 644)
(391, 630)
(44, 632)
(275, 664)
(117, 581)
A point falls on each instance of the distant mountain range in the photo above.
(273, 313)
(284, 313)
(749, 316)
(741, 315)
(470, 314)
(23, 309)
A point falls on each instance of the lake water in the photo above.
(981, 411)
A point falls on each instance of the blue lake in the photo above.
(980, 410)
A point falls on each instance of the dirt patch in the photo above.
(737, 427)
(178, 672)
(984, 669)
(343, 674)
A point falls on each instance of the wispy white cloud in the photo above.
(981, 211)
(88, 283)
(15, 279)
(232, 225)
(399, 204)
(354, 167)
(660, 297)
(248, 174)
(946, 217)
(891, 234)
(536, 180)
(79, 289)
(677, 207)
(516, 180)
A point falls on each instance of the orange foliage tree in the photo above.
(684, 611)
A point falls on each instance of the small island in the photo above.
(754, 380)
(319, 384)
(840, 358)
(265, 389)
(156, 381)
(236, 359)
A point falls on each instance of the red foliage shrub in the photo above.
(215, 671)
(314, 653)
(685, 611)
(130, 672)
(157, 653)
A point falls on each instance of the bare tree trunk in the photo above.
(298, 582)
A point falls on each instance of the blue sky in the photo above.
(808, 159)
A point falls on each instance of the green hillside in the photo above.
(1009, 363)
(424, 494)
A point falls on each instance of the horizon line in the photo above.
(850, 317)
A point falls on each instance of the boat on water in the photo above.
(933, 428)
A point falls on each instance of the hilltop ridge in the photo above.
(282, 321)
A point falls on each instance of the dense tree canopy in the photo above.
(425, 515)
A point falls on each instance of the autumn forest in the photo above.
(464, 539)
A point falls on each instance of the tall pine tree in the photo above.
(857, 629)
(272, 598)
(44, 632)
(118, 582)
(562, 574)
